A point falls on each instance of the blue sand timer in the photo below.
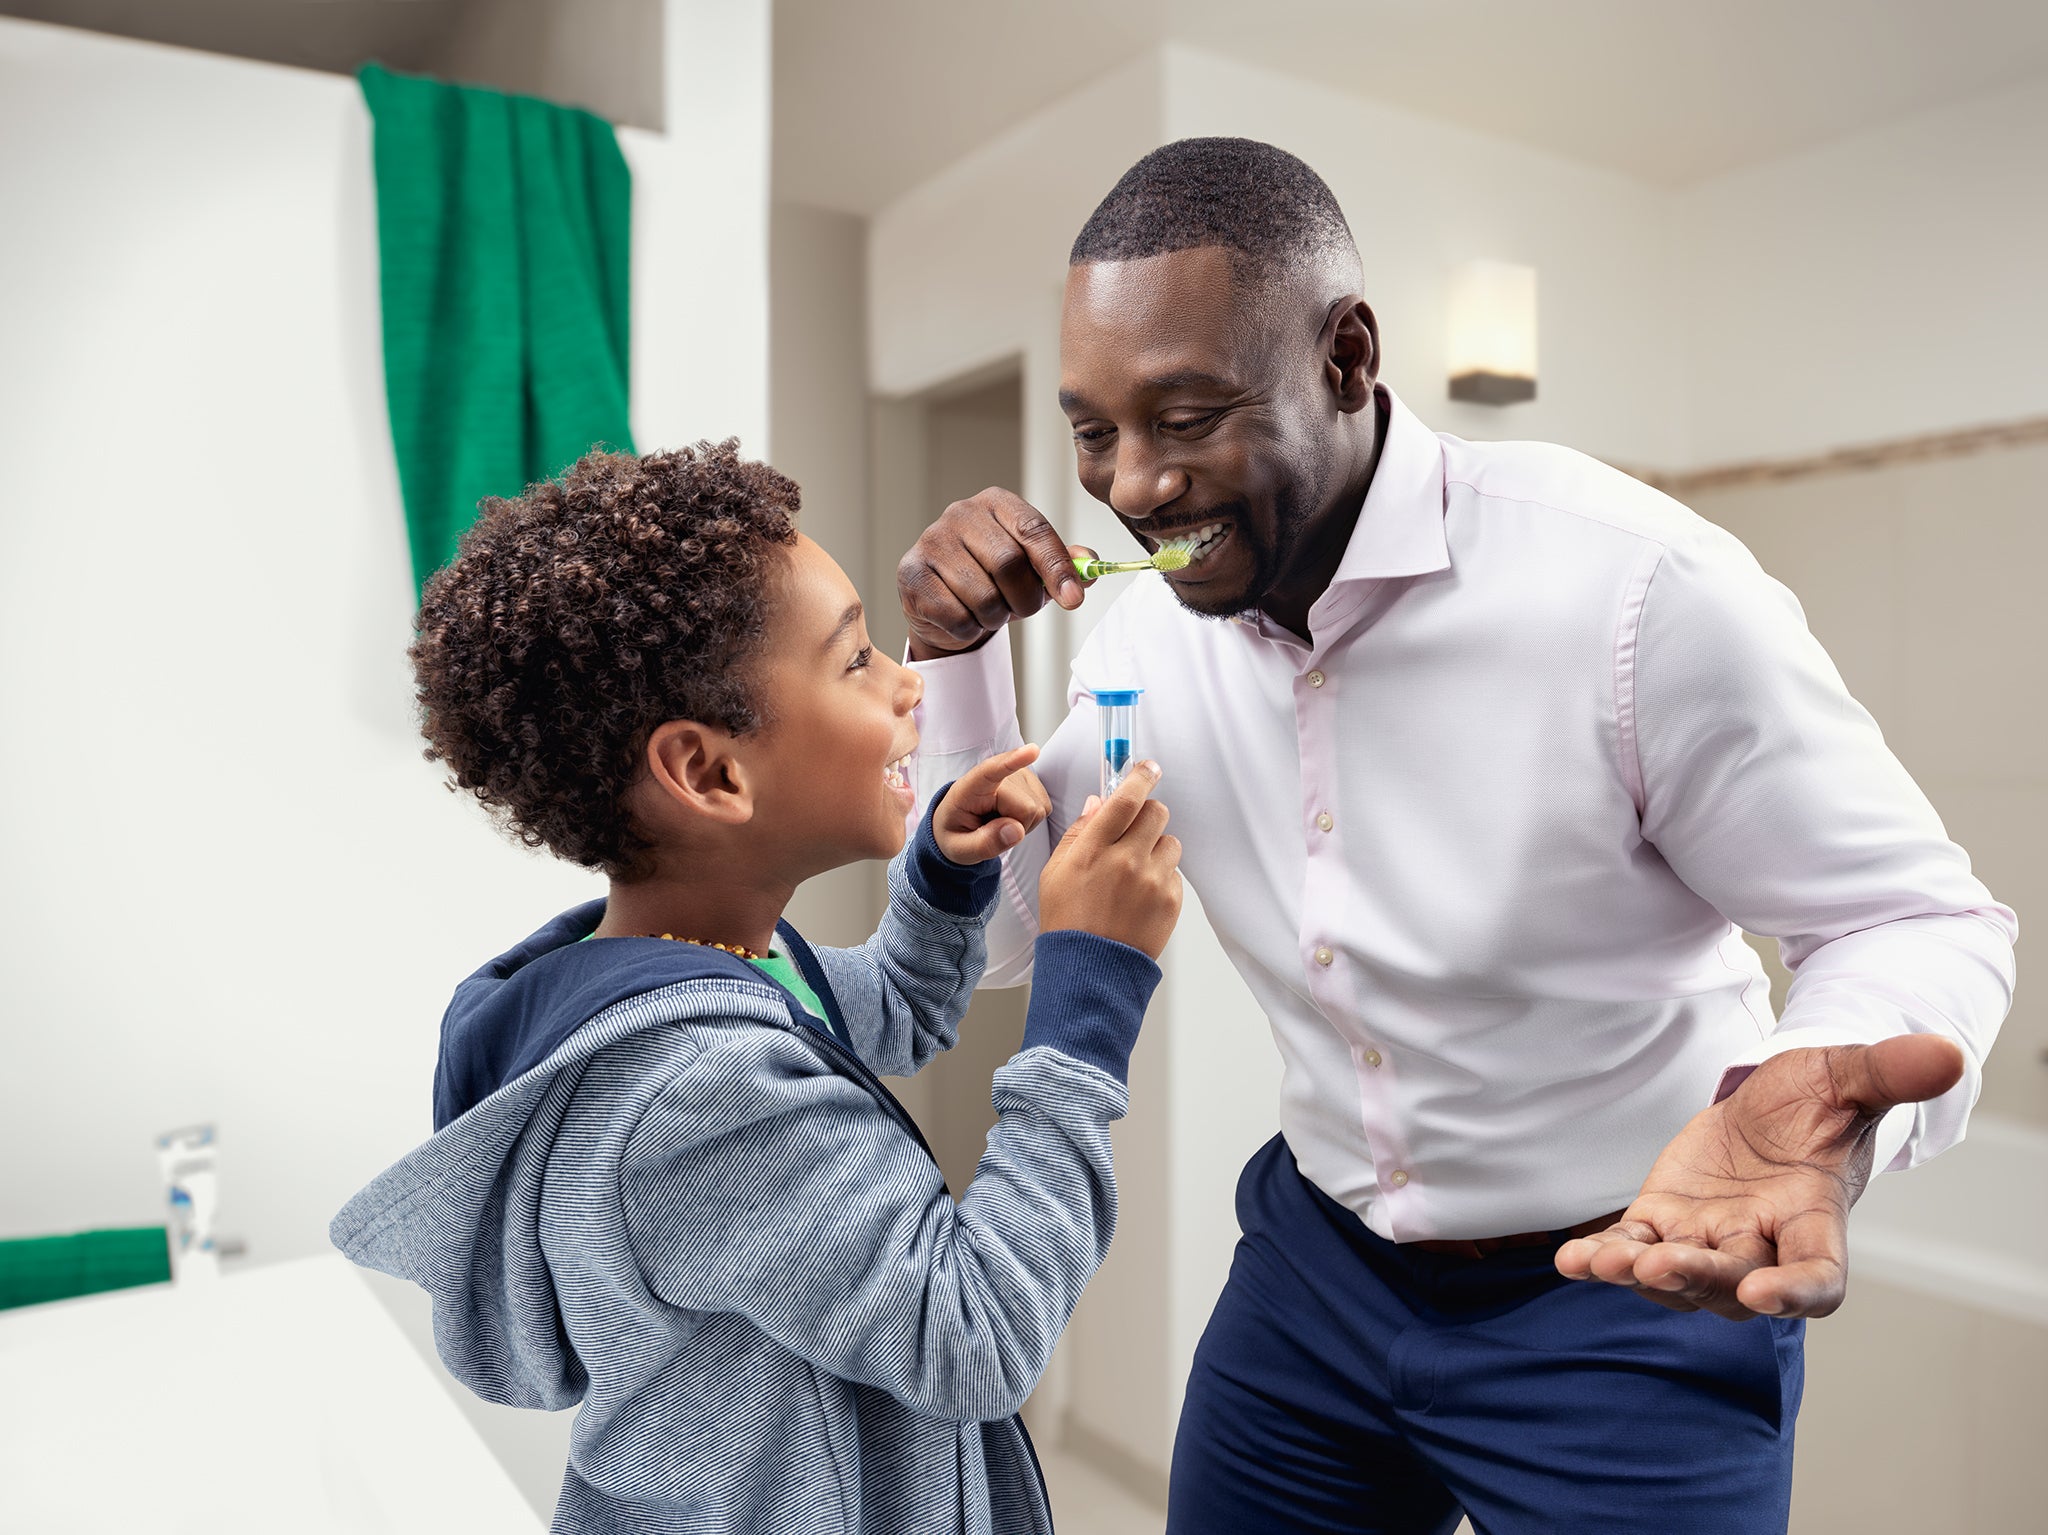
(1118, 710)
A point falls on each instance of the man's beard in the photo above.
(1268, 559)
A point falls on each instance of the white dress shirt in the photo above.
(1481, 848)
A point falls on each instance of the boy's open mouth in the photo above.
(897, 774)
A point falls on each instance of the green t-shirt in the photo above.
(782, 968)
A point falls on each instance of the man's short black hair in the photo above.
(1261, 203)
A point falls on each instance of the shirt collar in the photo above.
(1400, 529)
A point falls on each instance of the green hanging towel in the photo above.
(503, 233)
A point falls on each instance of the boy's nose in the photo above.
(910, 692)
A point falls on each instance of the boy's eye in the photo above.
(862, 656)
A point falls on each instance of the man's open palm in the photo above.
(1746, 1212)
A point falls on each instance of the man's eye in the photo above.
(1093, 435)
(1186, 423)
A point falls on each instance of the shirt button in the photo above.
(1372, 1058)
(1325, 821)
(1315, 679)
(1399, 1180)
(1324, 956)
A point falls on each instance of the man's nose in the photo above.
(1144, 481)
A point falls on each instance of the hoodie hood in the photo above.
(460, 1215)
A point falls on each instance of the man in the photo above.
(1481, 754)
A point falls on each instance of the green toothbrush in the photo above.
(1171, 556)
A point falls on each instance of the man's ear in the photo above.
(695, 768)
(1351, 352)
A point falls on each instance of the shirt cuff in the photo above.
(969, 699)
(1893, 1130)
(959, 889)
(1088, 997)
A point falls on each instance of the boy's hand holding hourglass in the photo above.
(1116, 872)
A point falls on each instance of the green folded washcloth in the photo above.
(38, 1269)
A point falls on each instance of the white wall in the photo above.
(817, 416)
(603, 55)
(234, 890)
(1423, 196)
(958, 266)
(818, 343)
(1884, 285)
(700, 233)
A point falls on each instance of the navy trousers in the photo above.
(1345, 1383)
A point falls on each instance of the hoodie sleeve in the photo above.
(763, 1182)
(904, 991)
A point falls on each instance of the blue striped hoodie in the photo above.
(659, 1189)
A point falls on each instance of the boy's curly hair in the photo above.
(576, 618)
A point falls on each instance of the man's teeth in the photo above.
(1199, 542)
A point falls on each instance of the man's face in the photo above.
(1199, 413)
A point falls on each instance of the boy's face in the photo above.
(832, 783)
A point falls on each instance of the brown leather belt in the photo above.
(1481, 1247)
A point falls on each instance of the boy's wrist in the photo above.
(960, 890)
(1088, 998)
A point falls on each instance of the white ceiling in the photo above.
(873, 96)
(333, 35)
(600, 54)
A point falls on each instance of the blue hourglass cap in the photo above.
(1114, 696)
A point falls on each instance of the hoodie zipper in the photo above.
(858, 1069)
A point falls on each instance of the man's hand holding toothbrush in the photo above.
(987, 560)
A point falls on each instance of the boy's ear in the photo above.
(695, 768)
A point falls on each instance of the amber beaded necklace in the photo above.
(730, 948)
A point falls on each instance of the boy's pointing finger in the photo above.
(976, 788)
(988, 774)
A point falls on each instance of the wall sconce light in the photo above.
(1493, 333)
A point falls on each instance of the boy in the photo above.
(665, 1181)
